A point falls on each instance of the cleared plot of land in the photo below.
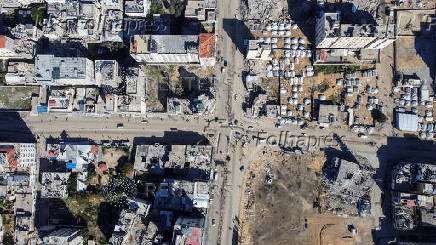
(407, 55)
(283, 204)
(327, 229)
(412, 22)
(416, 55)
(112, 156)
(154, 78)
(16, 98)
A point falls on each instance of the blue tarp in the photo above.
(71, 165)
(41, 109)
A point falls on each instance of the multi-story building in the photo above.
(56, 70)
(331, 33)
(338, 42)
(165, 49)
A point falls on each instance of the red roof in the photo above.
(102, 167)
(322, 55)
(94, 150)
(2, 41)
(109, 96)
(53, 154)
(52, 103)
(207, 45)
(10, 152)
(411, 203)
(195, 237)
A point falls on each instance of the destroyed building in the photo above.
(413, 196)
(349, 185)
(16, 48)
(137, 8)
(181, 195)
(20, 73)
(335, 39)
(188, 230)
(330, 115)
(54, 185)
(133, 224)
(176, 106)
(150, 158)
(64, 236)
(107, 73)
(187, 160)
(112, 24)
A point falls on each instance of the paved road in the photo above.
(223, 209)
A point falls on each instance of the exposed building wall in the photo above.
(166, 58)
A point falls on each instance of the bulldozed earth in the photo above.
(285, 201)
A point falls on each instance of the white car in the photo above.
(362, 136)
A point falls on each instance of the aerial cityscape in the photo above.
(217, 122)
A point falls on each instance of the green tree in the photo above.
(125, 168)
(379, 116)
(38, 12)
(156, 7)
(72, 184)
(322, 87)
(177, 8)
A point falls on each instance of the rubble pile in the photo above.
(348, 186)
(366, 5)
(261, 9)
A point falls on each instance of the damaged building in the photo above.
(413, 195)
(187, 160)
(349, 186)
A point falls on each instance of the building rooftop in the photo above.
(70, 236)
(165, 44)
(51, 68)
(195, 9)
(331, 24)
(54, 185)
(176, 195)
(2, 41)
(137, 7)
(106, 72)
(207, 45)
(189, 160)
(188, 230)
(150, 158)
(406, 121)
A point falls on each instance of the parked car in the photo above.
(363, 136)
